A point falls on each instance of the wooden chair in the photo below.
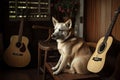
(46, 46)
(50, 45)
(67, 76)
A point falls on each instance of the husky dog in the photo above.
(74, 51)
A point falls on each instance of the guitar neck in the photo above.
(21, 24)
(112, 24)
(20, 30)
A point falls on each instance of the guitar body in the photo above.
(17, 54)
(97, 60)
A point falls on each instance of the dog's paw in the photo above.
(53, 68)
(69, 71)
(55, 73)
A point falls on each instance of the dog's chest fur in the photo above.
(66, 47)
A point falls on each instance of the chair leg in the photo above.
(38, 58)
(45, 59)
(39, 65)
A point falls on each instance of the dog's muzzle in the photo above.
(53, 37)
(57, 36)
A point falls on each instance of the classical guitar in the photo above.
(17, 53)
(97, 60)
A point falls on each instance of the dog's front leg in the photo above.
(62, 65)
(58, 63)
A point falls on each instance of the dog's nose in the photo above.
(52, 36)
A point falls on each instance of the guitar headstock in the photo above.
(23, 15)
(118, 10)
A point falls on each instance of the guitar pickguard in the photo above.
(23, 48)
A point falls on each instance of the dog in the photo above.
(74, 51)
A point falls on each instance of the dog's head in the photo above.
(62, 30)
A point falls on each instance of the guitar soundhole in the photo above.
(102, 48)
(18, 44)
(23, 48)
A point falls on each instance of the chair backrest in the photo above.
(49, 29)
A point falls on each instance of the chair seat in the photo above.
(68, 76)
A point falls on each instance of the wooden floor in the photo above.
(30, 73)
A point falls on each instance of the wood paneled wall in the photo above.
(98, 16)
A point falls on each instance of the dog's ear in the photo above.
(54, 21)
(68, 23)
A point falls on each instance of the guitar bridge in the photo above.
(97, 59)
(17, 54)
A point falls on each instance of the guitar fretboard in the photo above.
(20, 30)
(112, 24)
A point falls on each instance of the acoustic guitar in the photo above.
(17, 54)
(104, 46)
